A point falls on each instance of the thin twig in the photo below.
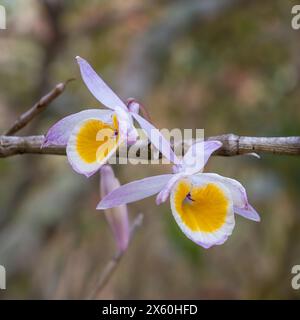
(114, 262)
(232, 145)
(27, 116)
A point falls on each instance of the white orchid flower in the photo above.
(92, 136)
(203, 204)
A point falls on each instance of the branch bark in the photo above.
(232, 145)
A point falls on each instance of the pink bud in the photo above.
(117, 217)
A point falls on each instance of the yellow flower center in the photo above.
(201, 208)
(96, 139)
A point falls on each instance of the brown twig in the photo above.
(232, 145)
(114, 262)
(27, 116)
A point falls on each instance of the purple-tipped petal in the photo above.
(117, 217)
(157, 139)
(100, 90)
(248, 212)
(60, 132)
(134, 191)
(198, 154)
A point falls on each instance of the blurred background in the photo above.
(229, 66)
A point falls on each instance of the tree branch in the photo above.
(42, 104)
(232, 145)
(10, 145)
(236, 145)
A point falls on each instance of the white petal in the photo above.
(198, 154)
(165, 192)
(98, 87)
(134, 191)
(248, 212)
(157, 139)
(60, 132)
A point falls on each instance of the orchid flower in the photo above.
(117, 217)
(92, 136)
(203, 204)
